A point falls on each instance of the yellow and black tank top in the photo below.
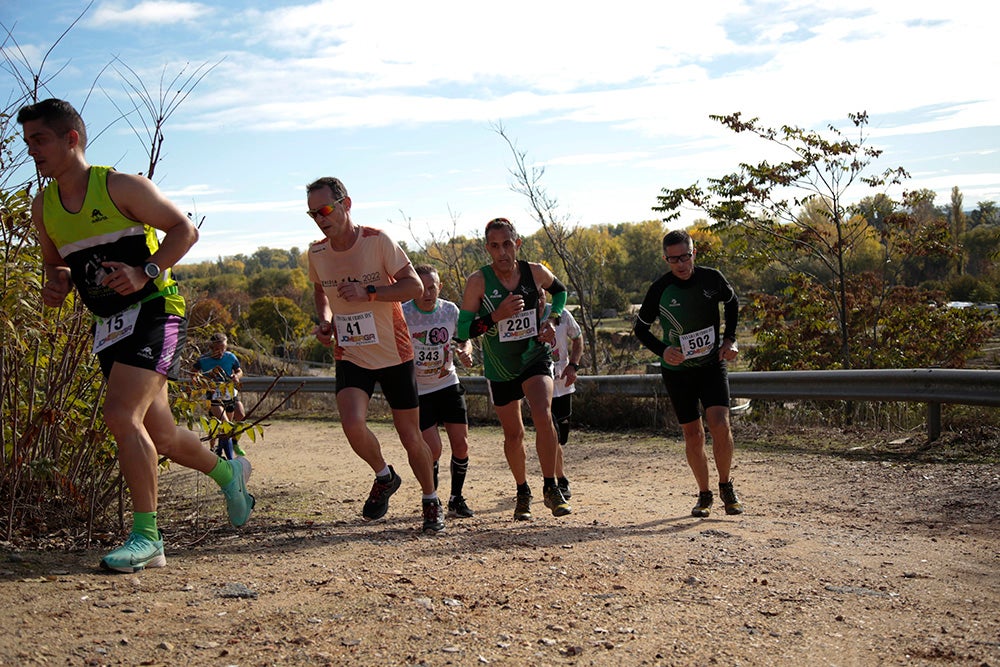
(99, 233)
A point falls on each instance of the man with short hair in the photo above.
(504, 303)
(432, 322)
(360, 277)
(98, 232)
(686, 300)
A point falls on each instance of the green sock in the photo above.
(144, 523)
(222, 473)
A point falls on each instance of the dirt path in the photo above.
(835, 563)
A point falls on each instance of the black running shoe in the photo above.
(564, 487)
(458, 507)
(728, 495)
(555, 501)
(704, 506)
(378, 500)
(433, 516)
(522, 507)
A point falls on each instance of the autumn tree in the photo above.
(291, 283)
(207, 316)
(767, 200)
(642, 243)
(279, 319)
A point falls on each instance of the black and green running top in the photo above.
(688, 311)
(504, 361)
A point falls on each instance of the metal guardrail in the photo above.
(933, 386)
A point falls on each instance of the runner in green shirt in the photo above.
(693, 359)
(503, 303)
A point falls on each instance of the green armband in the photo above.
(465, 318)
(558, 303)
(559, 294)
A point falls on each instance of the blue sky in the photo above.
(400, 100)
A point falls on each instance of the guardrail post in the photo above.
(933, 421)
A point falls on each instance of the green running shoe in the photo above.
(239, 502)
(138, 552)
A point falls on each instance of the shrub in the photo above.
(57, 459)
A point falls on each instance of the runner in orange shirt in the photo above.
(360, 278)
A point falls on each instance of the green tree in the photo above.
(909, 328)
(926, 243)
(767, 201)
(642, 243)
(270, 258)
(957, 225)
(983, 249)
(987, 213)
(290, 283)
(278, 318)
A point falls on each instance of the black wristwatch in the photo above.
(371, 292)
(575, 365)
(152, 270)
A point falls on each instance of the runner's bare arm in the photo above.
(139, 199)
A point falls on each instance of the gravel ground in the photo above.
(837, 561)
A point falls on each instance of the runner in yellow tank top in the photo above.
(95, 227)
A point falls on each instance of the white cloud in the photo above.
(256, 207)
(194, 190)
(151, 12)
(553, 46)
(659, 70)
(612, 158)
(405, 96)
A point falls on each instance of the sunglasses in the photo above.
(323, 211)
(679, 259)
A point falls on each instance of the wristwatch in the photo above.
(371, 292)
(152, 270)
